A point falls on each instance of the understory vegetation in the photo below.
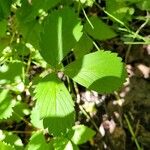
(74, 74)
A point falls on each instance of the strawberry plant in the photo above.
(40, 39)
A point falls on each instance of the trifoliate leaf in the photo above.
(61, 32)
(11, 139)
(81, 134)
(6, 104)
(55, 104)
(100, 71)
(98, 29)
(4, 146)
(38, 142)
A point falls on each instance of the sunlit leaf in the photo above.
(11, 139)
(38, 142)
(55, 104)
(61, 32)
(100, 71)
(80, 134)
(6, 104)
(4, 146)
(35, 118)
(19, 111)
(11, 72)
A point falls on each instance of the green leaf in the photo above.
(11, 72)
(83, 46)
(6, 104)
(100, 71)
(4, 146)
(62, 143)
(35, 118)
(119, 9)
(61, 32)
(86, 2)
(144, 5)
(38, 142)
(30, 9)
(30, 31)
(3, 28)
(81, 134)
(99, 30)
(5, 8)
(12, 139)
(55, 104)
(19, 111)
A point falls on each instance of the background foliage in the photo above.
(54, 51)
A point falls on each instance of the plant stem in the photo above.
(135, 35)
(132, 132)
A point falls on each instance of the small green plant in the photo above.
(50, 37)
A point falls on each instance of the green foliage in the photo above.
(4, 146)
(62, 30)
(81, 48)
(38, 142)
(19, 111)
(5, 8)
(6, 104)
(118, 8)
(99, 30)
(35, 118)
(11, 139)
(55, 104)
(81, 134)
(96, 71)
(38, 40)
(3, 27)
(11, 72)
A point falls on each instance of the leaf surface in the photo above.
(55, 104)
(81, 134)
(100, 71)
(6, 104)
(99, 30)
(61, 32)
(38, 142)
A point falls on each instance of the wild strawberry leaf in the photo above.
(6, 104)
(38, 142)
(81, 48)
(11, 72)
(5, 6)
(100, 71)
(61, 32)
(4, 146)
(30, 9)
(55, 104)
(80, 134)
(99, 30)
(11, 139)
